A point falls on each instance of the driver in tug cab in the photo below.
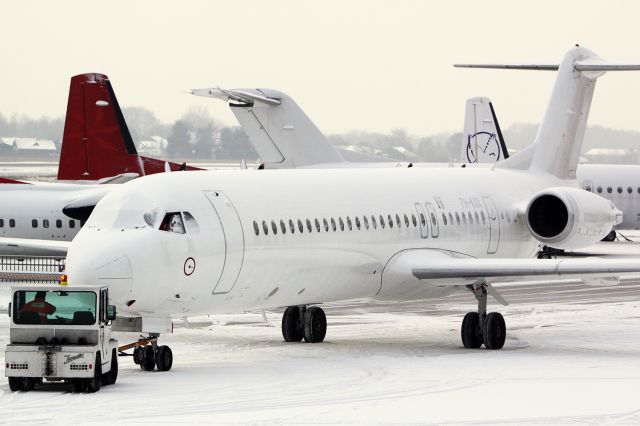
(39, 306)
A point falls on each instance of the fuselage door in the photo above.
(233, 241)
(494, 225)
(423, 220)
(435, 227)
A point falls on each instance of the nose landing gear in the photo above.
(481, 328)
(148, 354)
(302, 322)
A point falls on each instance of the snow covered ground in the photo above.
(572, 356)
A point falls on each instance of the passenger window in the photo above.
(457, 218)
(450, 218)
(619, 190)
(587, 188)
(382, 225)
(433, 219)
(341, 223)
(414, 220)
(326, 224)
(190, 223)
(444, 218)
(317, 225)
(292, 226)
(283, 226)
(172, 222)
(629, 190)
(256, 228)
(265, 227)
(471, 218)
(373, 222)
(358, 222)
(1, 223)
(483, 217)
(406, 220)
(300, 226)
(333, 224)
(464, 218)
(274, 227)
(600, 190)
(34, 223)
(12, 223)
(349, 224)
(477, 218)
(398, 220)
(609, 189)
(45, 223)
(309, 228)
(423, 221)
(390, 221)
(366, 222)
(58, 223)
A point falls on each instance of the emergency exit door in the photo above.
(494, 225)
(233, 240)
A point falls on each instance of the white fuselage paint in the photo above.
(34, 211)
(619, 184)
(235, 269)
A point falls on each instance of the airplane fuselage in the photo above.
(264, 239)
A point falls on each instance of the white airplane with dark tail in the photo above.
(179, 244)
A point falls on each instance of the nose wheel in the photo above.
(302, 322)
(480, 328)
(148, 354)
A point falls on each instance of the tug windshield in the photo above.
(54, 307)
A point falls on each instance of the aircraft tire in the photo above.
(148, 362)
(315, 325)
(471, 338)
(291, 330)
(494, 331)
(164, 358)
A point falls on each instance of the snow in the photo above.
(571, 356)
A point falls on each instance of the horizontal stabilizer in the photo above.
(237, 95)
(586, 65)
(534, 67)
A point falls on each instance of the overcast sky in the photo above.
(368, 65)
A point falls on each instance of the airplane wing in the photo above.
(28, 247)
(450, 269)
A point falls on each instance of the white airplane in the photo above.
(97, 149)
(180, 244)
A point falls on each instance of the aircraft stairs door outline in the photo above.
(233, 241)
(494, 225)
(435, 227)
(423, 220)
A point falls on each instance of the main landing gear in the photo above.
(481, 328)
(148, 354)
(302, 322)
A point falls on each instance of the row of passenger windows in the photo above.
(610, 189)
(34, 223)
(365, 222)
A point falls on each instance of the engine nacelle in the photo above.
(570, 218)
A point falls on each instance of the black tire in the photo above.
(149, 360)
(494, 332)
(93, 385)
(78, 385)
(315, 325)
(164, 358)
(14, 384)
(292, 329)
(138, 355)
(111, 377)
(470, 331)
(26, 383)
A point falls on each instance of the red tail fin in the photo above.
(96, 142)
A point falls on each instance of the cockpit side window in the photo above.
(172, 222)
(190, 223)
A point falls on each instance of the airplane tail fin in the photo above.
(557, 145)
(281, 133)
(482, 138)
(96, 142)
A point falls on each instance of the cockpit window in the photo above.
(172, 222)
(191, 223)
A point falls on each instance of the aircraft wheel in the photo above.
(470, 331)
(14, 384)
(494, 331)
(138, 355)
(164, 358)
(291, 325)
(149, 359)
(315, 325)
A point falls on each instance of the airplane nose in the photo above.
(115, 273)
